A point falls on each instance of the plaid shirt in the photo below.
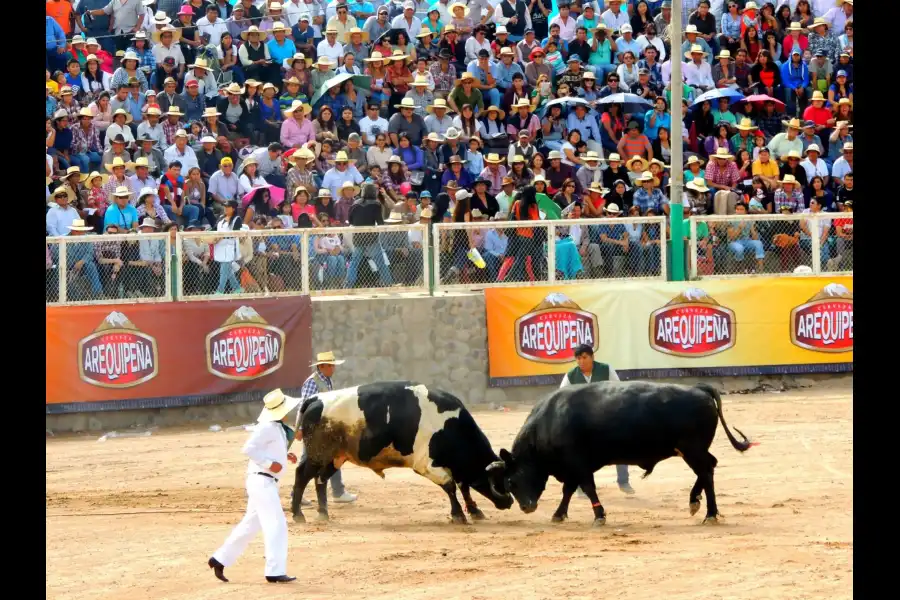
(169, 131)
(72, 109)
(112, 184)
(443, 82)
(310, 388)
(795, 200)
(147, 59)
(107, 250)
(85, 141)
(729, 176)
(296, 179)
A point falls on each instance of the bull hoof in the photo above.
(695, 506)
(299, 518)
(476, 514)
(713, 520)
(599, 522)
(322, 516)
(558, 518)
(459, 519)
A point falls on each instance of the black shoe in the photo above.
(280, 579)
(218, 568)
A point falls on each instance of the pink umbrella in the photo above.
(759, 102)
(276, 195)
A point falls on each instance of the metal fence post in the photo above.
(426, 260)
(304, 262)
(169, 273)
(179, 267)
(816, 245)
(551, 252)
(663, 250)
(436, 245)
(63, 269)
(693, 246)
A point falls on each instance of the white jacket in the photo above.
(226, 250)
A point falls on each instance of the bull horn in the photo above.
(497, 465)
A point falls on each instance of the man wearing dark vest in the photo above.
(591, 371)
(318, 382)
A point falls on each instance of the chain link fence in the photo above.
(498, 253)
(107, 269)
(736, 246)
(322, 261)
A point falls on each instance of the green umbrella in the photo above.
(362, 83)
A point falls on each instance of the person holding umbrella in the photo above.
(590, 132)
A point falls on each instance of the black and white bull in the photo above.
(579, 429)
(396, 424)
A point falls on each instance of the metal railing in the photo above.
(517, 253)
(723, 246)
(319, 262)
(108, 269)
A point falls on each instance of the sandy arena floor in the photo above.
(138, 518)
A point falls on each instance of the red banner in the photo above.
(176, 349)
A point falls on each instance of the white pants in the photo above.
(264, 513)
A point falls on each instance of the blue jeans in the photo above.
(190, 212)
(738, 247)
(601, 71)
(492, 96)
(85, 160)
(333, 267)
(824, 249)
(89, 270)
(227, 276)
(374, 252)
(63, 163)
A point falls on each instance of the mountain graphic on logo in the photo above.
(244, 315)
(693, 296)
(833, 291)
(556, 300)
(115, 320)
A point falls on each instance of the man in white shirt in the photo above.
(566, 23)
(615, 16)
(330, 47)
(224, 184)
(698, 73)
(212, 25)
(372, 124)
(292, 10)
(408, 20)
(61, 214)
(590, 371)
(267, 450)
(181, 152)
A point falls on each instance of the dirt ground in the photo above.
(138, 518)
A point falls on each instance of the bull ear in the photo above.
(506, 456)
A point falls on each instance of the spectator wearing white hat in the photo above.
(181, 152)
(814, 165)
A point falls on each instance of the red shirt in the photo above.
(819, 116)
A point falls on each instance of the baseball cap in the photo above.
(821, 52)
(409, 4)
(841, 73)
(626, 28)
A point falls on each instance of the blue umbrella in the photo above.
(631, 103)
(713, 95)
(564, 102)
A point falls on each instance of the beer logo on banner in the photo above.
(117, 354)
(825, 322)
(245, 347)
(692, 324)
(550, 331)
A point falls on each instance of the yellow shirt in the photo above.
(54, 87)
(770, 169)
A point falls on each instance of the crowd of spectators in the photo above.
(233, 115)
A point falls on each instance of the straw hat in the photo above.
(141, 161)
(598, 188)
(234, 90)
(817, 95)
(796, 26)
(751, 6)
(789, 179)
(73, 170)
(65, 91)
(661, 164)
(522, 103)
(303, 154)
(554, 155)
(693, 160)
(452, 8)
(211, 111)
(724, 54)
(420, 81)
(819, 22)
(746, 125)
(295, 105)
(342, 157)
(591, 156)
(406, 103)
(131, 56)
(465, 77)
(323, 193)
(279, 26)
(425, 32)
(176, 33)
(122, 191)
(695, 49)
(398, 55)
(324, 61)
(173, 111)
(613, 209)
(434, 137)
(722, 153)
(396, 159)
(78, 225)
(352, 30)
(348, 185)
(814, 148)
(450, 161)
(790, 155)
(648, 176)
(507, 51)
(634, 159)
(438, 103)
(518, 158)
(85, 112)
(500, 114)
(118, 162)
(691, 29)
(539, 179)
(377, 56)
(94, 175)
(493, 159)
(181, 133)
(289, 63)
(276, 406)
(200, 63)
(698, 184)
(154, 111)
(250, 30)
(613, 157)
(452, 132)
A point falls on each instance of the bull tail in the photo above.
(740, 446)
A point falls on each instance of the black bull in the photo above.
(579, 429)
(396, 424)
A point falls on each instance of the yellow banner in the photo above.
(725, 327)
